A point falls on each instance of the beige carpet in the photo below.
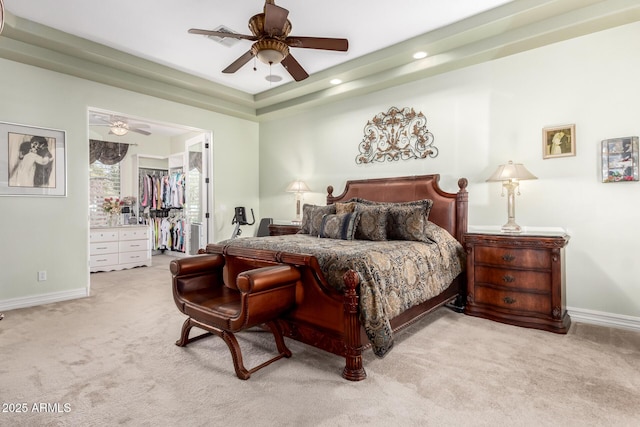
(111, 360)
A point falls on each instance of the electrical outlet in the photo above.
(42, 276)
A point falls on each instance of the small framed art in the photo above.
(559, 141)
(32, 161)
(620, 159)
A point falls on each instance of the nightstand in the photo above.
(518, 279)
(282, 229)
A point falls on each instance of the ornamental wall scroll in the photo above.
(396, 135)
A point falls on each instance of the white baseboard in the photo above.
(604, 319)
(30, 301)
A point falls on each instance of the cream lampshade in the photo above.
(298, 187)
(511, 174)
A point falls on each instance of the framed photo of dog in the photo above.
(32, 161)
(559, 141)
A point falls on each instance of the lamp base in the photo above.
(511, 227)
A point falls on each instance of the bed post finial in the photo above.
(462, 184)
(330, 191)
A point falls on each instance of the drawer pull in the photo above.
(508, 300)
(508, 278)
(508, 257)
(102, 247)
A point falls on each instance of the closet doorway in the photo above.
(178, 154)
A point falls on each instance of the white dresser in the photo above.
(117, 248)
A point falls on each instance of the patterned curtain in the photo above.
(109, 153)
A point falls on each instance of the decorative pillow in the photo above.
(427, 203)
(436, 233)
(341, 226)
(343, 208)
(406, 222)
(373, 222)
(312, 217)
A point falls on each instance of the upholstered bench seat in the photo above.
(256, 297)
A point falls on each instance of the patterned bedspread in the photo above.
(394, 275)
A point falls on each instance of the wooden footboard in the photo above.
(324, 318)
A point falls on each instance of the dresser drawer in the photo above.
(134, 257)
(539, 281)
(103, 236)
(103, 248)
(96, 261)
(505, 257)
(513, 300)
(133, 245)
(134, 233)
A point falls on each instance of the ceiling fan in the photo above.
(118, 125)
(271, 41)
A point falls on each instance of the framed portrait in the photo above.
(559, 141)
(620, 159)
(32, 161)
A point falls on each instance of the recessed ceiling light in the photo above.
(273, 78)
(419, 55)
(335, 81)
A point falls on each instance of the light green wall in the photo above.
(52, 233)
(483, 116)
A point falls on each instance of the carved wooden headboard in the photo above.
(449, 210)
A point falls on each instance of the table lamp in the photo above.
(298, 187)
(511, 174)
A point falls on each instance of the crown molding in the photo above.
(506, 30)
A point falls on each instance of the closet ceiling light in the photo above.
(119, 128)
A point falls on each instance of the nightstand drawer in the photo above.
(513, 300)
(523, 280)
(523, 258)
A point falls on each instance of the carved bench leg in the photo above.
(184, 335)
(277, 334)
(232, 343)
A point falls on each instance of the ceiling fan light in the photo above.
(270, 56)
(270, 51)
(119, 128)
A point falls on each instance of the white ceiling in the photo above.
(143, 45)
(156, 30)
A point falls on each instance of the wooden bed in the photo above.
(329, 319)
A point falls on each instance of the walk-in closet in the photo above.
(149, 191)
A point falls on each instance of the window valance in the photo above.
(109, 153)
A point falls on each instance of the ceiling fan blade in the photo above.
(294, 68)
(140, 131)
(238, 63)
(275, 17)
(138, 125)
(221, 34)
(324, 43)
(103, 121)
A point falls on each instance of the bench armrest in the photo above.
(265, 278)
(196, 264)
(196, 273)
